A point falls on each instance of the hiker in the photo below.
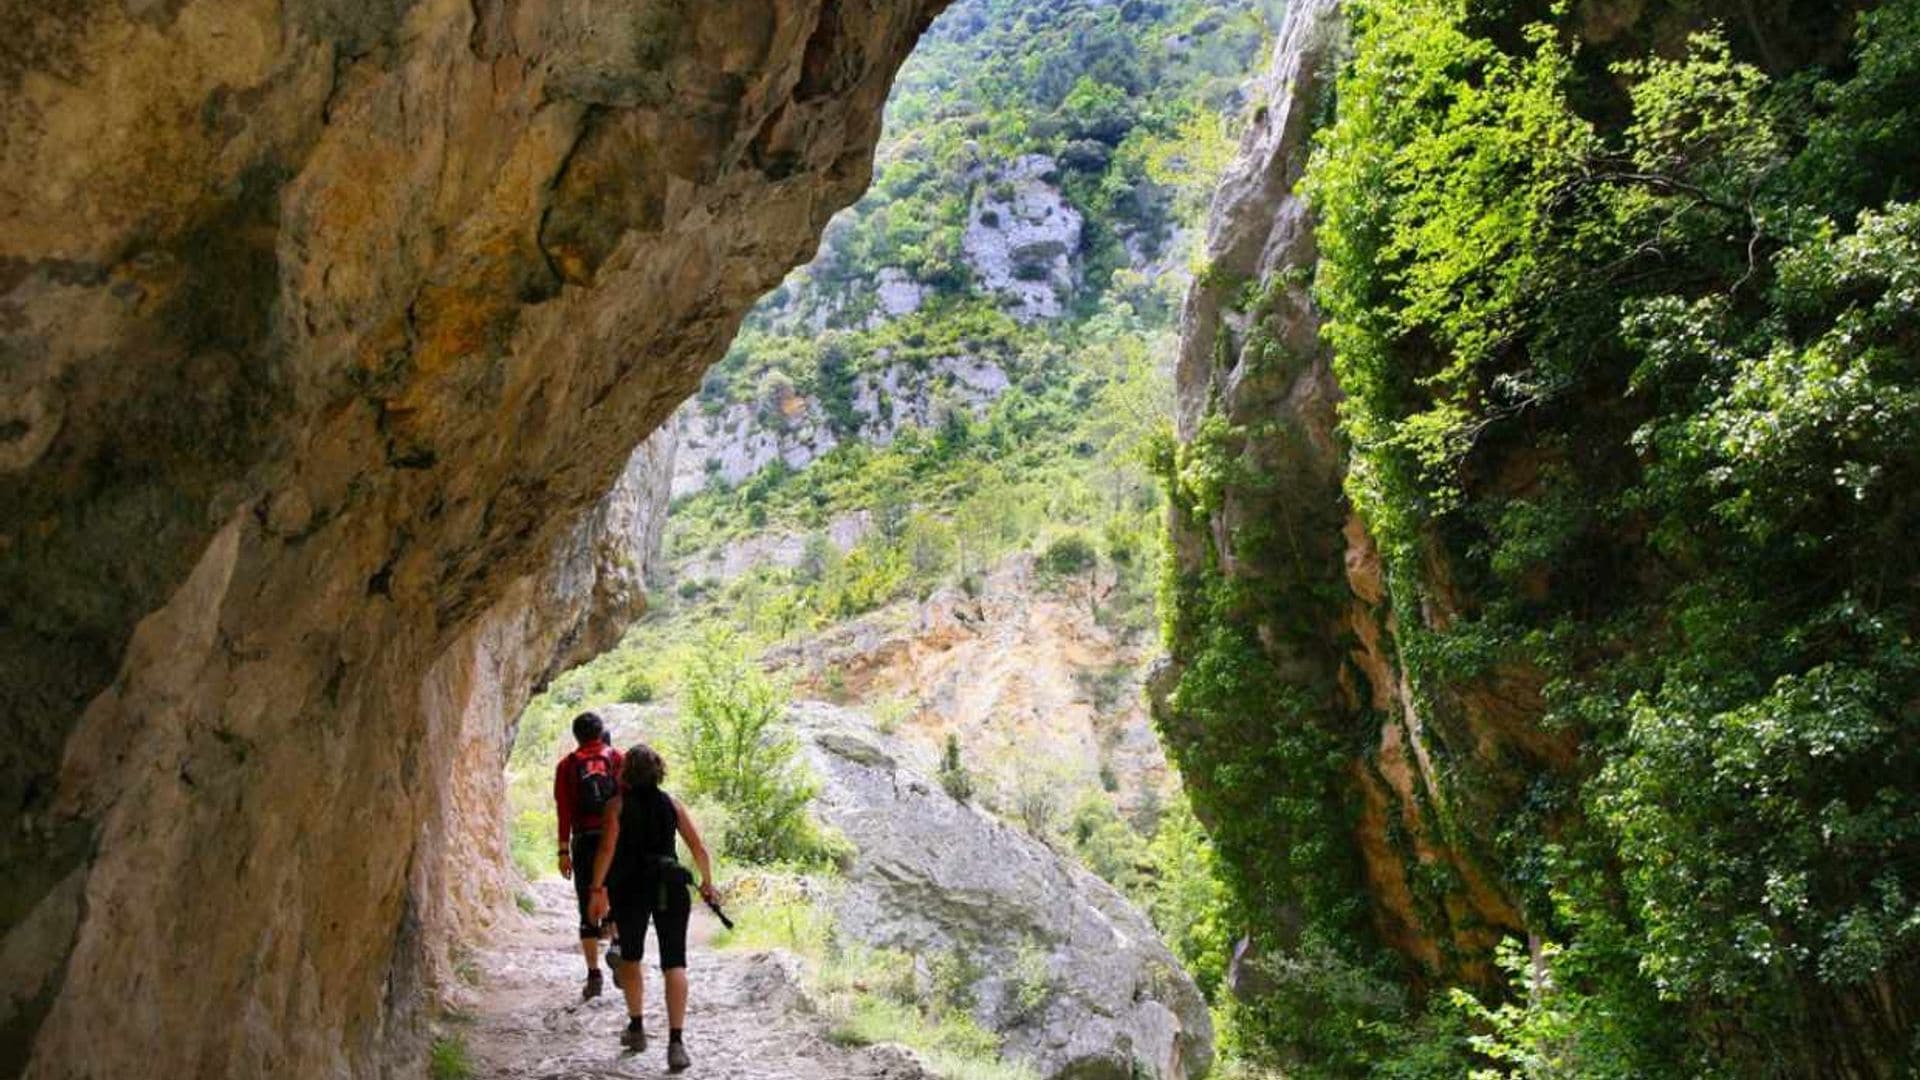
(637, 876)
(586, 786)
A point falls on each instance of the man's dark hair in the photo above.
(588, 726)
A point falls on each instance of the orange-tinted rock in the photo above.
(323, 328)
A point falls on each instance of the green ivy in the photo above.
(1638, 359)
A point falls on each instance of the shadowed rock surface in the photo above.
(322, 329)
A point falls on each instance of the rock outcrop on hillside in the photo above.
(734, 443)
(324, 327)
(933, 875)
(1023, 239)
(1037, 693)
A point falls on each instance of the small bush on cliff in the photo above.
(954, 777)
(1067, 555)
(637, 690)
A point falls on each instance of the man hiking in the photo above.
(586, 785)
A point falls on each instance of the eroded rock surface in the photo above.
(933, 875)
(1037, 692)
(322, 329)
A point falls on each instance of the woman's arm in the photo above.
(691, 834)
(603, 859)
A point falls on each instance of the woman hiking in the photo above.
(637, 877)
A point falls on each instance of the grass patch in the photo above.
(450, 1059)
(869, 995)
(467, 968)
(778, 911)
(956, 1046)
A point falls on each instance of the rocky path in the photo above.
(746, 1021)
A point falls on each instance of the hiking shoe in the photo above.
(634, 1039)
(595, 984)
(677, 1058)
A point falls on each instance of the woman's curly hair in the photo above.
(644, 768)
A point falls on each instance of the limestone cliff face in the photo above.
(1254, 378)
(1035, 691)
(732, 443)
(324, 327)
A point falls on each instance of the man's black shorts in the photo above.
(586, 846)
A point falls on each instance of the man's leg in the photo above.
(584, 848)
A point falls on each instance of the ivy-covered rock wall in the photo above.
(1540, 568)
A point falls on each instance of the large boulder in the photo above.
(933, 875)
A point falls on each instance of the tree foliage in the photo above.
(1685, 295)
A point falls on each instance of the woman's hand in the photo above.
(708, 893)
(566, 866)
(597, 904)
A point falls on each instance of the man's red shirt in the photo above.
(565, 776)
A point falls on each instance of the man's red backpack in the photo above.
(594, 784)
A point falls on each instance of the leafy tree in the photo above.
(734, 750)
(1685, 294)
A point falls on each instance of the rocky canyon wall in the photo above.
(1387, 758)
(1257, 402)
(323, 329)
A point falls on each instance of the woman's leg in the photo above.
(632, 983)
(671, 926)
(633, 939)
(676, 980)
(672, 929)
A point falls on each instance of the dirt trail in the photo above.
(745, 1021)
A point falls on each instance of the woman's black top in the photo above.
(644, 858)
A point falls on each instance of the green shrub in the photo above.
(954, 778)
(954, 980)
(1067, 555)
(735, 750)
(1105, 843)
(1031, 985)
(637, 690)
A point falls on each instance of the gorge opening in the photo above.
(1537, 591)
